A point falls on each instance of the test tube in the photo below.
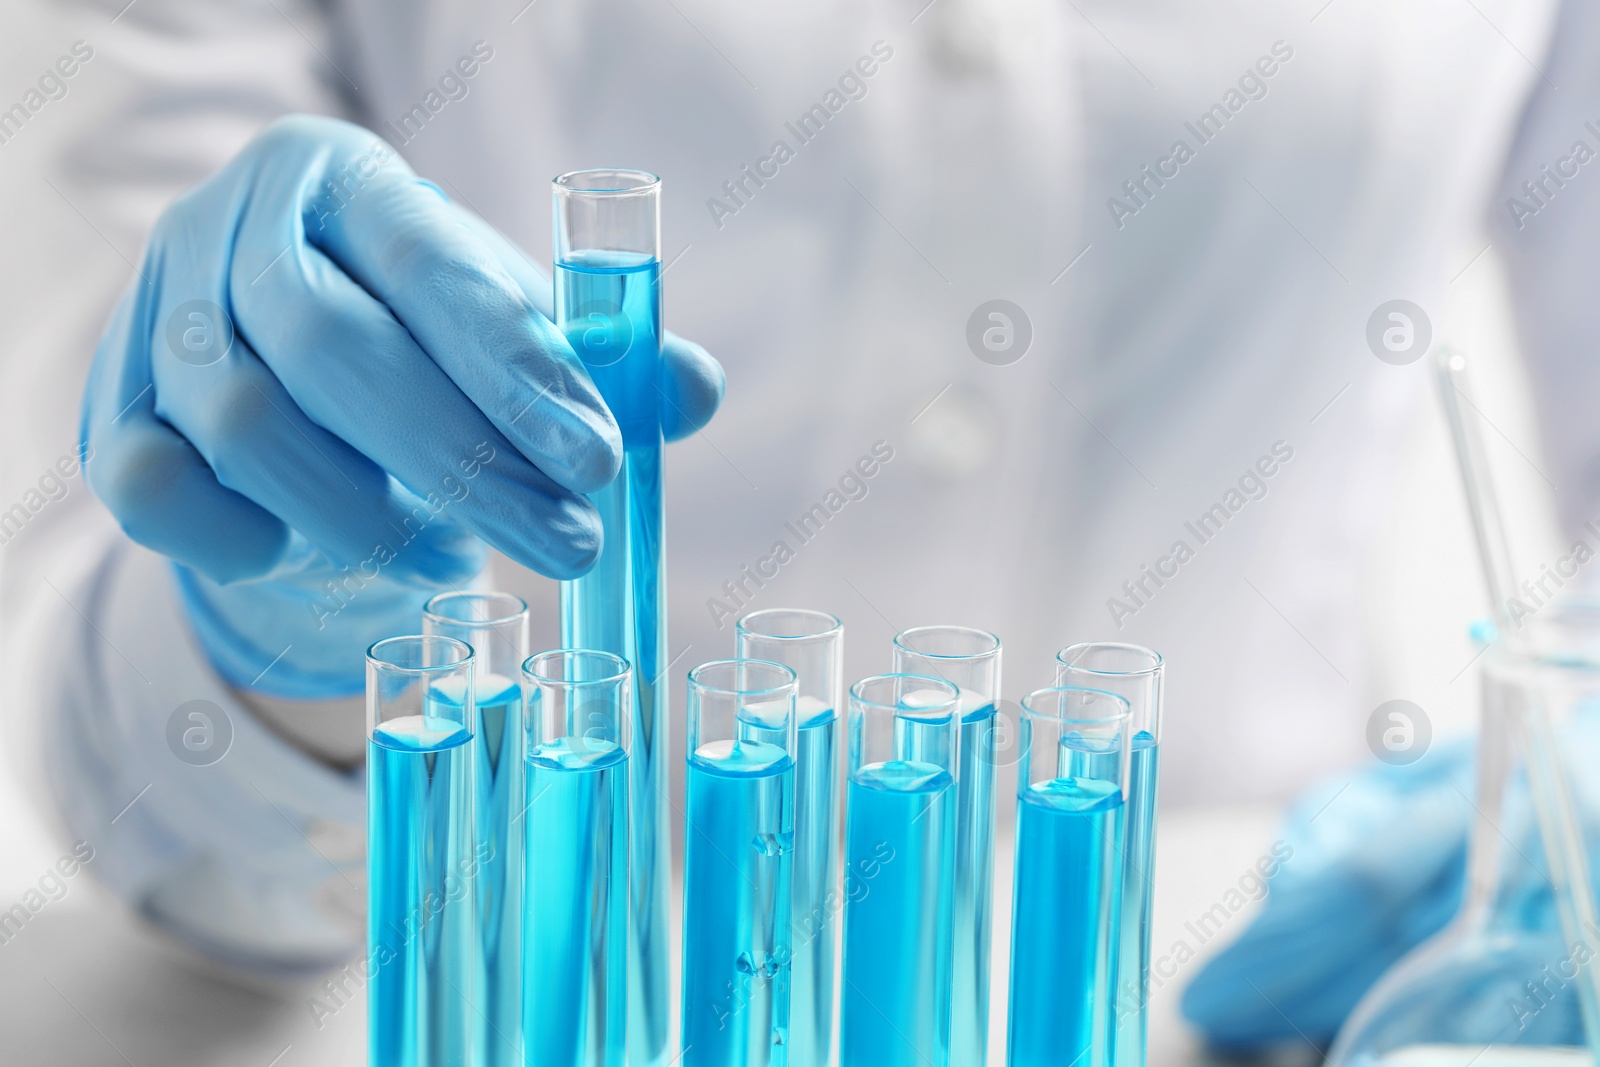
(811, 643)
(900, 823)
(1067, 898)
(422, 861)
(496, 626)
(608, 305)
(575, 939)
(1134, 673)
(738, 841)
(970, 660)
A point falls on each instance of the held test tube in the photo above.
(495, 625)
(422, 859)
(899, 870)
(575, 939)
(1135, 674)
(1068, 893)
(970, 660)
(811, 643)
(608, 305)
(738, 841)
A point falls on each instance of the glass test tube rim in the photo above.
(376, 660)
(1151, 672)
(932, 712)
(740, 663)
(380, 663)
(621, 667)
(618, 677)
(640, 182)
(498, 640)
(834, 625)
(1032, 710)
(825, 636)
(697, 706)
(864, 711)
(516, 605)
(1154, 662)
(990, 642)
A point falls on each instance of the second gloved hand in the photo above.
(1377, 866)
(325, 367)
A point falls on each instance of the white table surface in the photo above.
(84, 985)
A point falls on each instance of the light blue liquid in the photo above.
(899, 852)
(816, 868)
(738, 847)
(974, 889)
(576, 933)
(1064, 923)
(421, 887)
(500, 786)
(1132, 1023)
(608, 305)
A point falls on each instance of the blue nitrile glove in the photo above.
(1377, 866)
(326, 384)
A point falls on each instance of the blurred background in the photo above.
(85, 983)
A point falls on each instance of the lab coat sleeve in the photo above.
(255, 858)
(1546, 222)
(200, 818)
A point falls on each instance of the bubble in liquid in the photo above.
(773, 844)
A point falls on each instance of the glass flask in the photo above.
(1511, 980)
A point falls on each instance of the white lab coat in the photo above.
(1181, 333)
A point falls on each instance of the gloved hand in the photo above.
(327, 377)
(1378, 866)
